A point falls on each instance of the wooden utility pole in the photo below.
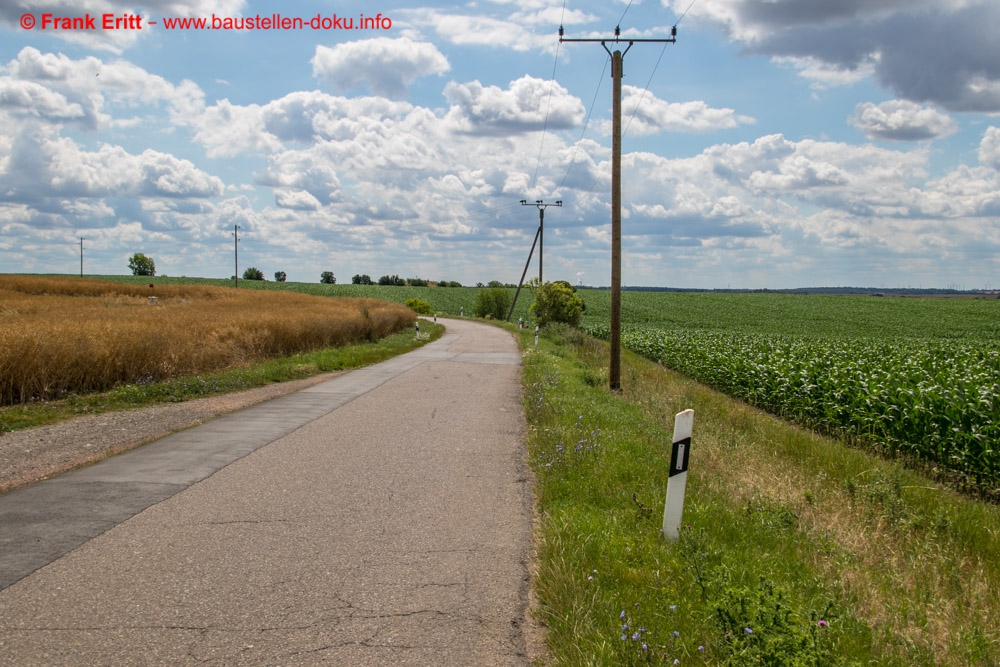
(617, 61)
(538, 240)
(615, 371)
(541, 229)
(236, 253)
(82, 239)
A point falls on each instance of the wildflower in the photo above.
(676, 661)
(701, 648)
(622, 615)
(748, 631)
(635, 637)
(676, 634)
(644, 647)
(673, 607)
(822, 624)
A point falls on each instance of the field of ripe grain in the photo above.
(67, 335)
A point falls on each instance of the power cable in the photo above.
(548, 101)
(627, 7)
(644, 90)
(586, 123)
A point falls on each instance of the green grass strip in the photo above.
(795, 550)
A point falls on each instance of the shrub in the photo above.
(280, 276)
(419, 306)
(140, 265)
(493, 302)
(253, 273)
(327, 278)
(416, 282)
(557, 302)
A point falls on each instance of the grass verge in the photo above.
(795, 549)
(245, 376)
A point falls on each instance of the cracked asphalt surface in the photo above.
(381, 517)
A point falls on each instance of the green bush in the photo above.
(419, 306)
(557, 302)
(327, 278)
(494, 303)
(253, 273)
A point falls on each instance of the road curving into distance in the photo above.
(380, 517)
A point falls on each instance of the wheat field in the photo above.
(68, 335)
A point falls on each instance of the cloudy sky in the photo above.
(778, 143)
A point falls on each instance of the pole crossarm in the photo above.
(616, 40)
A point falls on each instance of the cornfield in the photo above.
(933, 400)
(67, 335)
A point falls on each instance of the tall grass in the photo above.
(795, 550)
(65, 335)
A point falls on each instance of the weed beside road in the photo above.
(795, 549)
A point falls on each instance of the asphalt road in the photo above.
(382, 517)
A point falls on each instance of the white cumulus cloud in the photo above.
(900, 120)
(386, 66)
(522, 107)
(643, 114)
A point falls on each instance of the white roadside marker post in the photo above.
(677, 481)
(536, 335)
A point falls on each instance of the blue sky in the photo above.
(778, 143)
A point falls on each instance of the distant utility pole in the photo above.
(617, 58)
(236, 252)
(538, 240)
(541, 229)
(82, 239)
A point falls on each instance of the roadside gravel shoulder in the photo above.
(35, 454)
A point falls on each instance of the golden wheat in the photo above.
(68, 335)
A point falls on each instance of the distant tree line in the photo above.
(395, 281)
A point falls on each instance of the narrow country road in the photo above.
(381, 517)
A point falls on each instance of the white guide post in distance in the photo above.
(677, 481)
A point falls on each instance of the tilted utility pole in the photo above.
(538, 240)
(82, 239)
(617, 59)
(236, 253)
